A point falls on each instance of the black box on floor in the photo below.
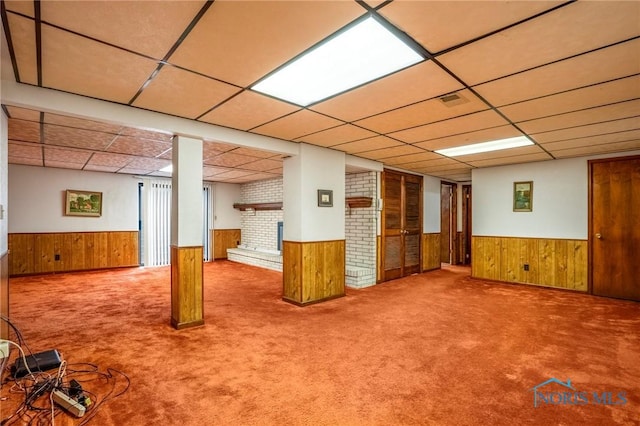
(42, 361)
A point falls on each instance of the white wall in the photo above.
(314, 168)
(431, 205)
(224, 196)
(560, 199)
(36, 200)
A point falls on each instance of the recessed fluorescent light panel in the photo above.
(167, 169)
(360, 54)
(486, 146)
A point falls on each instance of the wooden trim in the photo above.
(224, 239)
(431, 251)
(187, 290)
(258, 206)
(51, 252)
(359, 202)
(313, 271)
(560, 263)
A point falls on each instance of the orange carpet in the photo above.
(436, 348)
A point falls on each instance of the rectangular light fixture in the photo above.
(167, 169)
(358, 55)
(477, 148)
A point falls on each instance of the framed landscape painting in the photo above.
(83, 203)
(523, 196)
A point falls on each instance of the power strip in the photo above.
(69, 404)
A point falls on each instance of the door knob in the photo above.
(599, 236)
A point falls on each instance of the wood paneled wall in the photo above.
(313, 271)
(4, 295)
(187, 291)
(552, 262)
(224, 239)
(430, 251)
(76, 251)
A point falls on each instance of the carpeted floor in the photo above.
(435, 348)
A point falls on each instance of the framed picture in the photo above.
(325, 198)
(523, 196)
(83, 203)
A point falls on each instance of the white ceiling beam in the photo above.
(57, 102)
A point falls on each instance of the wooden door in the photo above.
(401, 225)
(445, 223)
(614, 231)
(466, 224)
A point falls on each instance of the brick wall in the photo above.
(260, 228)
(360, 223)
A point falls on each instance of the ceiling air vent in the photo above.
(453, 99)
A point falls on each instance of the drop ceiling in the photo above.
(565, 74)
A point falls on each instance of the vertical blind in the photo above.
(156, 221)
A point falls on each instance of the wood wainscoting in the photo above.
(187, 291)
(430, 251)
(44, 253)
(313, 271)
(224, 239)
(557, 263)
(4, 295)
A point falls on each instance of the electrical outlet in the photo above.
(56, 257)
(526, 266)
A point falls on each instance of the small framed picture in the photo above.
(325, 198)
(83, 203)
(523, 196)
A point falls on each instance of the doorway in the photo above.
(401, 240)
(448, 222)
(614, 234)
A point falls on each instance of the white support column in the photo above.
(186, 234)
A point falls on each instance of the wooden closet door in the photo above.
(614, 238)
(401, 225)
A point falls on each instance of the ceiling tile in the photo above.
(262, 165)
(503, 153)
(614, 62)
(96, 168)
(452, 168)
(431, 23)
(412, 158)
(421, 113)
(391, 152)
(104, 159)
(296, 125)
(232, 174)
(24, 161)
(431, 163)
(54, 154)
(148, 163)
(592, 141)
(26, 131)
(422, 81)
(79, 65)
(470, 122)
(337, 135)
(588, 97)
(588, 130)
(122, 25)
(78, 138)
(135, 146)
(522, 158)
(25, 150)
(248, 110)
(220, 146)
(254, 152)
(23, 37)
(580, 118)
(79, 123)
(62, 164)
(228, 159)
(479, 136)
(575, 28)
(183, 93)
(254, 38)
(377, 142)
(598, 149)
(147, 134)
(20, 6)
(23, 113)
